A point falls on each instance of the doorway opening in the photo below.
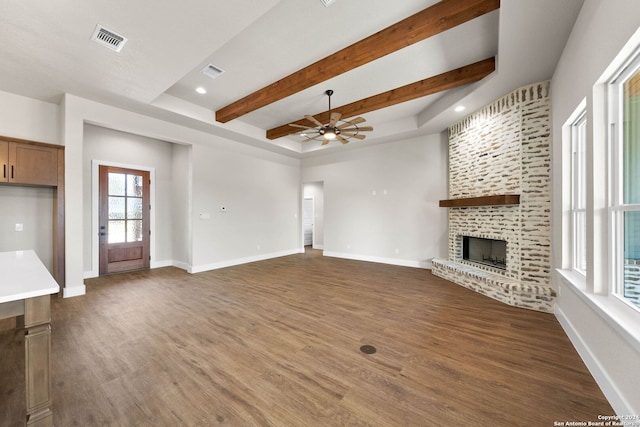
(313, 215)
(308, 220)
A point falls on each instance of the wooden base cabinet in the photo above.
(37, 349)
(25, 293)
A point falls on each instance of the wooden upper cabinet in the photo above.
(31, 164)
(4, 161)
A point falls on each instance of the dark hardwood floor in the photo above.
(278, 343)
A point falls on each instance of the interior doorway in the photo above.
(307, 220)
(313, 214)
(124, 220)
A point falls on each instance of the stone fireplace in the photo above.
(500, 190)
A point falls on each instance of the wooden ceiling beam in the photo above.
(433, 20)
(448, 80)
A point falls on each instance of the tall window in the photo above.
(578, 194)
(626, 179)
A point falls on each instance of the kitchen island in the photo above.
(25, 289)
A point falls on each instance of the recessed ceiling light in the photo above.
(459, 108)
(201, 90)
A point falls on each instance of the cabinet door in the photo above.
(33, 164)
(4, 161)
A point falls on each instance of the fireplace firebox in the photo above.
(489, 252)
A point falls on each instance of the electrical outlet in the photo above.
(19, 227)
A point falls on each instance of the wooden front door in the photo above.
(123, 219)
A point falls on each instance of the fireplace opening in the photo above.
(485, 251)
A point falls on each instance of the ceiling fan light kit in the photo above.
(342, 130)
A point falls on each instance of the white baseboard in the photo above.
(181, 265)
(318, 246)
(238, 261)
(160, 264)
(73, 291)
(382, 260)
(611, 392)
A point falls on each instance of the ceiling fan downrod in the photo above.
(329, 93)
(328, 131)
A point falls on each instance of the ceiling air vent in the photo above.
(108, 38)
(211, 71)
(327, 3)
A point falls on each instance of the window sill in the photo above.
(622, 318)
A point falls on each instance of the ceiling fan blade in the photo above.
(352, 122)
(341, 139)
(360, 129)
(313, 120)
(301, 126)
(334, 119)
(354, 135)
(325, 141)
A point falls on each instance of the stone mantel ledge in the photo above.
(509, 291)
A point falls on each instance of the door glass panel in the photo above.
(116, 232)
(134, 230)
(125, 207)
(134, 185)
(116, 207)
(134, 208)
(116, 184)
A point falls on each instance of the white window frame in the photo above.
(617, 207)
(579, 192)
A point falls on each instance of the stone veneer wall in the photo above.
(504, 148)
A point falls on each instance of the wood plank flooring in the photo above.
(276, 343)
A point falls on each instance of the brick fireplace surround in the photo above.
(504, 148)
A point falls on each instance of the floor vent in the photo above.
(108, 38)
(368, 349)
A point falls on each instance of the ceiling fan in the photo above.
(342, 130)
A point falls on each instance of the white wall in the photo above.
(29, 119)
(33, 120)
(261, 189)
(315, 190)
(33, 208)
(181, 190)
(114, 147)
(611, 352)
(381, 202)
(261, 198)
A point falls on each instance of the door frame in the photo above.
(95, 210)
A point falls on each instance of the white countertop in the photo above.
(22, 275)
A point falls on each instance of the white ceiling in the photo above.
(45, 51)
